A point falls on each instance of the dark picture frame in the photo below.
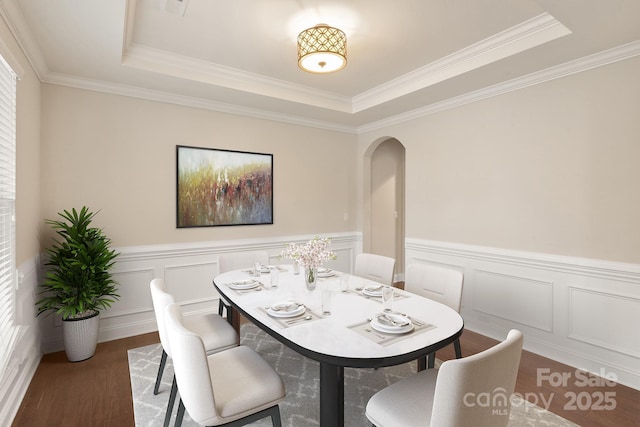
(216, 187)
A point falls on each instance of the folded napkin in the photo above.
(394, 321)
(286, 306)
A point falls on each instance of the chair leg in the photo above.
(180, 414)
(456, 345)
(222, 307)
(172, 400)
(275, 417)
(422, 363)
(432, 361)
(163, 361)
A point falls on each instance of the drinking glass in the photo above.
(275, 277)
(327, 295)
(257, 266)
(387, 298)
(344, 282)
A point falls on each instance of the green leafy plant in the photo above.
(78, 280)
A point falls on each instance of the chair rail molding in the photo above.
(188, 270)
(578, 311)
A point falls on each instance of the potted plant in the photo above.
(78, 282)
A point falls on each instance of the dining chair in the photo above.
(216, 333)
(472, 391)
(232, 388)
(374, 267)
(235, 261)
(440, 284)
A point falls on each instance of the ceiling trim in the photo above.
(12, 16)
(188, 101)
(526, 35)
(168, 63)
(596, 60)
(531, 33)
(600, 59)
(23, 36)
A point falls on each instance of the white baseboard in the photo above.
(16, 382)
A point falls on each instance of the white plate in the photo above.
(326, 273)
(390, 329)
(244, 284)
(298, 310)
(373, 291)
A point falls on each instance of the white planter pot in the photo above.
(80, 337)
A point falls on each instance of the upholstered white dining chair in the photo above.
(235, 261)
(472, 391)
(232, 387)
(374, 267)
(440, 284)
(216, 333)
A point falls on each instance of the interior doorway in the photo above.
(386, 196)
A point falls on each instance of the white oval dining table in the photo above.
(345, 337)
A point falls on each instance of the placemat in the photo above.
(384, 339)
(288, 322)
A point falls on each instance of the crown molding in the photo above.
(542, 26)
(183, 67)
(600, 59)
(187, 101)
(12, 16)
(531, 33)
(587, 63)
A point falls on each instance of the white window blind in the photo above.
(8, 329)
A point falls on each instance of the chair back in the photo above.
(235, 261)
(374, 267)
(443, 285)
(161, 300)
(476, 390)
(190, 366)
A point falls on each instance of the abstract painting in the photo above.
(223, 187)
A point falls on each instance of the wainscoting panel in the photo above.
(191, 282)
(581, 312)
(138, 298)
(518, 299)
(188, 270)
(591, 315)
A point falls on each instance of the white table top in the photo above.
(332, 336)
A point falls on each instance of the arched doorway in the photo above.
(384, 230)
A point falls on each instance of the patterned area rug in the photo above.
(300, 375)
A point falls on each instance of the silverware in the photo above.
(300, 319)
(389, 321)
(416, 322)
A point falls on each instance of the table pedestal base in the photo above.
(331, 395)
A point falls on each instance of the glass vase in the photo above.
(311, 277)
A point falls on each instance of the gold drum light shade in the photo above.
(322, 49)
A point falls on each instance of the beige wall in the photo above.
(551, 169)
(117, 154)
(27, 148)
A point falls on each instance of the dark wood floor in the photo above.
(97, 392)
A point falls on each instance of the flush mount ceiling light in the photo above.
(322, 49)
